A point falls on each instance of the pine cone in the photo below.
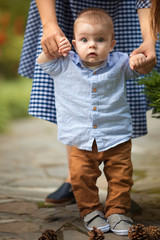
(48, 235)
(144, 233)
(137, 232)
(96, 234)
(152, 232)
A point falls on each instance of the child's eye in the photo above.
(84, 40)
(101, 40)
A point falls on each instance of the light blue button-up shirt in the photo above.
(91, 104)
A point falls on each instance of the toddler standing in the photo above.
(93, 116)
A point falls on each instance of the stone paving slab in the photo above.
(28, 220)
(24, 219)
(72, 234)
(18, 207)
(19, 227)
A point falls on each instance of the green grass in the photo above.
(14, 100)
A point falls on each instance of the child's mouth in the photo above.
(92, 54)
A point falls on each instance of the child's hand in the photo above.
(136, 61)
(64, 46)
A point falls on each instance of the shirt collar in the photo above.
(75, 58)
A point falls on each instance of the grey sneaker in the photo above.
(120, 224)
(96, 219)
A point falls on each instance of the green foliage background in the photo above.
(13, 17)
(152, 91)
(16, 7)
(14, 90)
(14, 100)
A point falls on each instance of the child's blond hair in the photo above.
(96, 16)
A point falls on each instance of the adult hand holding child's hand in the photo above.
(50, 41)
(148, 49)
(137, 62)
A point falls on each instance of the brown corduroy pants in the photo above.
(84, 168)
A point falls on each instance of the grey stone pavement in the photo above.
(33, 163)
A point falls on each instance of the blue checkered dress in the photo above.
(128, 38)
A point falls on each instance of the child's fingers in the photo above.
(61, 48)
(132, 66)
(137, 61)
(135, 65)
(132, 63)
(63, 42)
(140, 62)
(65, 51)
(62, 39)
(64, 46)
(67, 48)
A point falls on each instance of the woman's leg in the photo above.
(68, 179)
(64, 194)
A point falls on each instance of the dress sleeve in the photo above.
(143, 4)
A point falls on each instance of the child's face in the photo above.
(92, 42)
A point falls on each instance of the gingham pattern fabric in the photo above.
(128, 38)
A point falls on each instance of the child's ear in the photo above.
(74, 43)
(113, 43)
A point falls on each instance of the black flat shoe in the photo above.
(62, 196)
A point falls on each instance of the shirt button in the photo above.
(94, 89)
(95, 126)
(94, 108)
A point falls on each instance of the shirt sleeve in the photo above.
(143, 4)
(55, 67)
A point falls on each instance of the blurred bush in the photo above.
(14, 100)
(14, 90)
(152, 91)
(13, 16)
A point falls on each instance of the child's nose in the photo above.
(92, 44)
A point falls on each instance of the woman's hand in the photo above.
(50, 40)
(148, 49)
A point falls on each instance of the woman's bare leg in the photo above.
(68, 180)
